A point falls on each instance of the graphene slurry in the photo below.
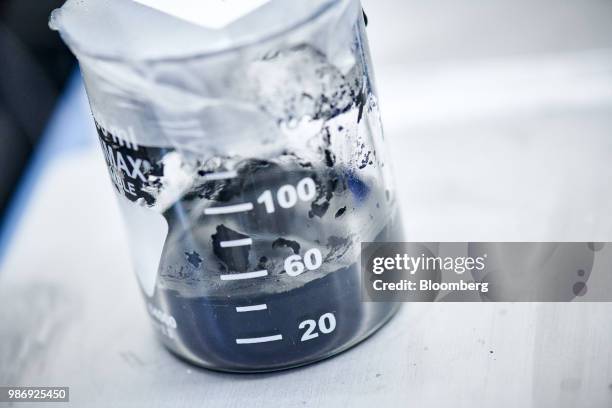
(247, 181)
(306, 317)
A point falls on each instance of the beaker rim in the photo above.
(323, 10)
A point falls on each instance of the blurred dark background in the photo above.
(34, 65)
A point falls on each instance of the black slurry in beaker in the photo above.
(271, 321)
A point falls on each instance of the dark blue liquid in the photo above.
(208, 328)
(190, 290)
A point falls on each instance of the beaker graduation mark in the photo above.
(254, 308)
(236, 243)
(254, 340)
(230, 209)
(221, 176)
(245, 275)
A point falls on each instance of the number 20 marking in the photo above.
(326, 325)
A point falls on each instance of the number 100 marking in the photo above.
(288, 196)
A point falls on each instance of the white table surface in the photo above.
(72, 316)
(531, 164)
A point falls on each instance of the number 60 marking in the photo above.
(296, 265)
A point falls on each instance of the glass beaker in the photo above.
(248, 174)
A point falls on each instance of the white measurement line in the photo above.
(254, 340)
(245, 275)
(236, 243)
(221, 176)
(230, 209)
(254, 308)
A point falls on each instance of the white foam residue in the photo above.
(176, 181)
